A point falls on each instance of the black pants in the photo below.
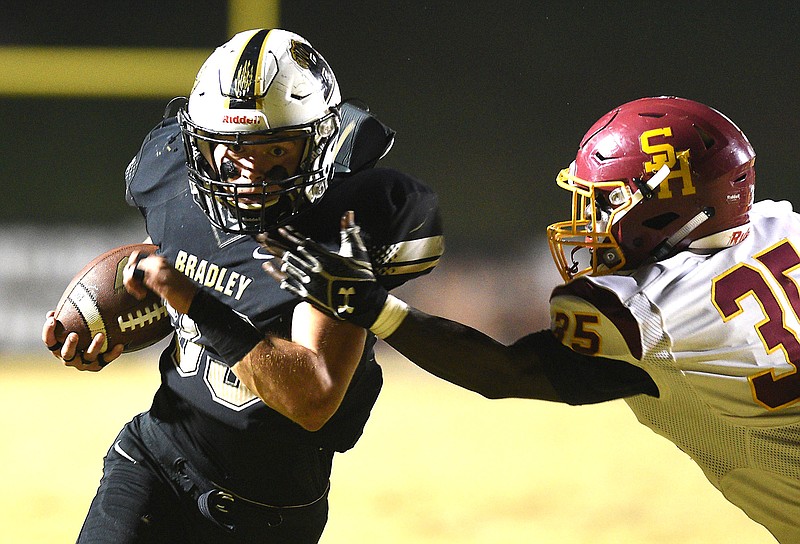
(151, 493)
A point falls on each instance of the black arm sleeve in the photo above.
(231, 336)
(580, 379)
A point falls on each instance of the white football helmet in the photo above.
(262, 86)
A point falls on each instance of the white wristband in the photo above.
(393, 313)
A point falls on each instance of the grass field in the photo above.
(436, 465)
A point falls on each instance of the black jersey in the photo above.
(250, 445)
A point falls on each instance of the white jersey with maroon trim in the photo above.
(720, 336)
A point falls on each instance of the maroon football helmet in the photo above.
(652, 177)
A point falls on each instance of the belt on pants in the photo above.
(223, 507)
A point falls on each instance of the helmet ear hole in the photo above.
(740, 179)
(660, 221)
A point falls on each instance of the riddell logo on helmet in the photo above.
(240, 120)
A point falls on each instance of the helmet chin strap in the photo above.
(664, 248)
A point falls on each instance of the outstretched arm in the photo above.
(536, 366)
(471, 359)
(343, 286)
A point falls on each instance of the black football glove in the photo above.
(341, 284)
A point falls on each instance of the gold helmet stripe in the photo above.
(243, 90)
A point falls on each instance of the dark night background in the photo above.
(489, 99)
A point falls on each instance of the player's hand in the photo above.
(341, 284)
(64, 346)
(145, 272)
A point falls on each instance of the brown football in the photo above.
(96, 301)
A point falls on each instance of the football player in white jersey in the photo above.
(681, 297)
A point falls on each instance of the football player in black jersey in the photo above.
(258, 391)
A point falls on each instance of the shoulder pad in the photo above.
(603, 316)
(364, 139)
(158, 171)
(399, 219)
